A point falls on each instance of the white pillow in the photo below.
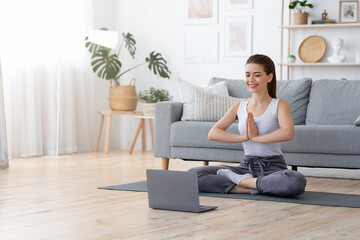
(211, 107)
(187, 93)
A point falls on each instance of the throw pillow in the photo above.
(187, 93)
(357, 121)
(211, 107)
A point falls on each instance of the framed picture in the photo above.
(238, 36)
(348, 11)
(201, 47)
(201, 11)
(238, 4)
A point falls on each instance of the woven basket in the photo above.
(148, 109)
(312, 49)
(300, 18)
(123, 97)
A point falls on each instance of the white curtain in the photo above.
(4, 160)
(42, 51)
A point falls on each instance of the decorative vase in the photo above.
(300, 18)
(291, 59)
(148, 109)
(123, 97)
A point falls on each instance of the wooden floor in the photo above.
(57, 198)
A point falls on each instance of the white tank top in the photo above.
(266, 123)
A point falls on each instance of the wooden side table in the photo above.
(109, 114)
(141, 127)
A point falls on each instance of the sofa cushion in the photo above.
(333, 102)
(195, 134)
(294, 92)
(329, 139)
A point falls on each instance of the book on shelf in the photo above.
(328, 21)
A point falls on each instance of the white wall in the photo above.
(159, 25)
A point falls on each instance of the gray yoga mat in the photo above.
(311, 198)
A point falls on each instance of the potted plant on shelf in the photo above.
(301, 8)
(150, 97)
(106, 65)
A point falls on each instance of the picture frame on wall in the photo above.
(239, 4)
(238, 36)
(348, 11)
(201, 11)
(201, 47)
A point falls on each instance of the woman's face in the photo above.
(256, 78)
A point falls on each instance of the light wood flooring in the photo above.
(57, 198)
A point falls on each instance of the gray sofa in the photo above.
(324, 112)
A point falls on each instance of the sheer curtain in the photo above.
(4, 161)
(42, 51)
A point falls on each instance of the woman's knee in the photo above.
(206, 170)
(200, 171)
(285, 183)
(196, 169)
(295, 183)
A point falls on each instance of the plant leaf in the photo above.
(154, 95)
(94, 48)
(293, 4)
(130, 43)
(104, 65)
(157, 64)
(302, 4)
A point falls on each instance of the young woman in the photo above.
(264, 122)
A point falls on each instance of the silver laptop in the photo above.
(174, 190)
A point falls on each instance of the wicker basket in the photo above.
(300, 18)
(312, 49)
(123, 98)
(148, 109)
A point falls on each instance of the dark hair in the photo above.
(269, 67)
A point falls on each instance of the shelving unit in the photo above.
(322, 64)
(316, 26)
(290, 28)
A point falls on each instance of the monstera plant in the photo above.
(106, 65)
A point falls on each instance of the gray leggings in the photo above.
(272, 175)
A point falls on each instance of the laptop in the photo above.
(174, 190)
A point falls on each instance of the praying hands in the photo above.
(251, 129)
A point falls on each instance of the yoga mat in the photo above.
(311, 198)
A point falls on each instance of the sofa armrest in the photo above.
(165, 114)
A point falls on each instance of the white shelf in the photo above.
(145, 117)
(317, 26)
(318, 64)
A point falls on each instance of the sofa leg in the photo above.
(294, 168)
(205, 163)
(165, 163)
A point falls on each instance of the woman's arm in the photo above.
(218, 131)
(286, 131)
